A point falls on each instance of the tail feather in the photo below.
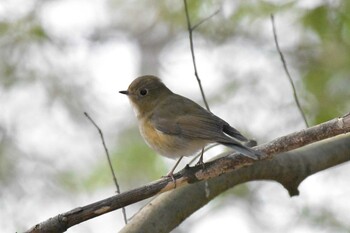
(251, 153)
(233, 132)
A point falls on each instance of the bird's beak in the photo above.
(124, 92)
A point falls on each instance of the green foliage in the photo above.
(137, 161)
(17, 40)
(327, 67)
(323, 218)
(133, 161)
(29, 56)
(70, 180)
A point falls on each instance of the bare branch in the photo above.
(230, 162)
(190, 30)
(205, 19)
(109, 161)
(287, 72)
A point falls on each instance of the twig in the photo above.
(218, 167)
(190, 30)
(109, 161)
(203, 20)
(287, 72)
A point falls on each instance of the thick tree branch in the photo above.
(212, 169)
(289, 168)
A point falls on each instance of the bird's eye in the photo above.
(143, 92)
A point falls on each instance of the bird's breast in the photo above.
(171, 146)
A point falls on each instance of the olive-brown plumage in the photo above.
(174, 125)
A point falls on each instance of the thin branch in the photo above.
(205, 19)
(109, 161)
(190, 30)
(287, 72)
(190, 175)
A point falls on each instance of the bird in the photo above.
(175, 126)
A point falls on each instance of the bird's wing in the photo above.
(228, 129)
(188, 119)
(189, 126)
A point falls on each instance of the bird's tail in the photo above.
(228, 129)
(249, 152)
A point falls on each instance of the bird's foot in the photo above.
(200, 160)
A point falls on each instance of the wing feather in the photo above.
(186, 118)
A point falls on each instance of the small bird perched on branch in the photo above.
(175, 126)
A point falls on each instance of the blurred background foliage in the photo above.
(326, 73)
(36, 56)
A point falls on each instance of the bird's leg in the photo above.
(200, 161)
(171, 172)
